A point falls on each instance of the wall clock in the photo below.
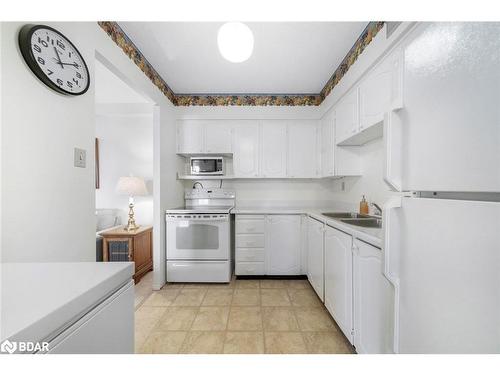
(54, 59)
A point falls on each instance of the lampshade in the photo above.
(131, 186)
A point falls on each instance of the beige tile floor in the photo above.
(244, 316)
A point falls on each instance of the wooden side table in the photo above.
(135, 246)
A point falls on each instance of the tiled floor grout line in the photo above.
(262, 320)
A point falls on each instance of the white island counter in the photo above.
(75, 307)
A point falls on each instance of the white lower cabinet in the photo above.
(373, 302)
(346, 273)
(338, 278)
(268, 245)
(283, 244)
(315, 256)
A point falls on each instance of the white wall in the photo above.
(125, 147)
(371, 183)
(48, 206)
(47, 203)
(274, 192)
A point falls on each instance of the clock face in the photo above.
(54, 59)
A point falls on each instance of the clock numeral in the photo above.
(37, 48)
(49, 72)
(76, 81)
(60, 44)
(43, 42)
(78, 75)
(59, 81)
(69, 54)
(70, 85)
(40, 60)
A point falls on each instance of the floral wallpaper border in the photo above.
(115, 32)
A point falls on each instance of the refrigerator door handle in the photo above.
(390, 241)
(393, 167)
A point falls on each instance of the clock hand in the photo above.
(72, 64)
(58, 57)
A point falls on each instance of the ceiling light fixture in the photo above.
(235, 41)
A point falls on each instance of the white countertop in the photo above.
(37, 299)
(370, 235)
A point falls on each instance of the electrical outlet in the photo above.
(80, 159)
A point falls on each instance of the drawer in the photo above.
(250, 268)
(250, 226)
(249, 240)
(250, 255)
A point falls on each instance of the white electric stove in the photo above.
(199, 237)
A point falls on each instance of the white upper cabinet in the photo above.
(373, 302)
(302, 149)
(189, 137)
(218, 137)
(274, 148)
(283, 244)
(347, 116)
(338, 278)
(204, 137)
(327, 144)
(246, 149)
(380, 91)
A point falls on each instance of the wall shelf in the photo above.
(191, 177)
(364, 136)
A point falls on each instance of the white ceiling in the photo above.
(288, 57)
(111, 89)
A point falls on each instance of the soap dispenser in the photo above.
(363, 206)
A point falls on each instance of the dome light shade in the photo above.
(235, 41)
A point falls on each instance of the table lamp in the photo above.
(132, 187)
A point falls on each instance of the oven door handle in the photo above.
(204, 219)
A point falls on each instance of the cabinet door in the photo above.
(338, 278)
(189, 137)
(274, 149)
(380, 91)
(302, 151)
(315, 256)
(283, 239)
(347, 116)
(327, 144)
(373, 302)
(218, 137)
(246, 150)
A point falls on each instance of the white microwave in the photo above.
(207, 165)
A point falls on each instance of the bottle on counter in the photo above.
(363, 206)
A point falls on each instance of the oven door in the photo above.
(198, 237)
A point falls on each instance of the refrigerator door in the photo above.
(443, 257)
(446, 137)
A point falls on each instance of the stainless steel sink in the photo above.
(344, 215)
(366, 223)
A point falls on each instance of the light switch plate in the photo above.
(80, 158)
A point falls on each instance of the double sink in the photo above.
(356, 219)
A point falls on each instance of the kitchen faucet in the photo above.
(378, 210)
(197, 183)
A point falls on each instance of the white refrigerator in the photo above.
(442, 228)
